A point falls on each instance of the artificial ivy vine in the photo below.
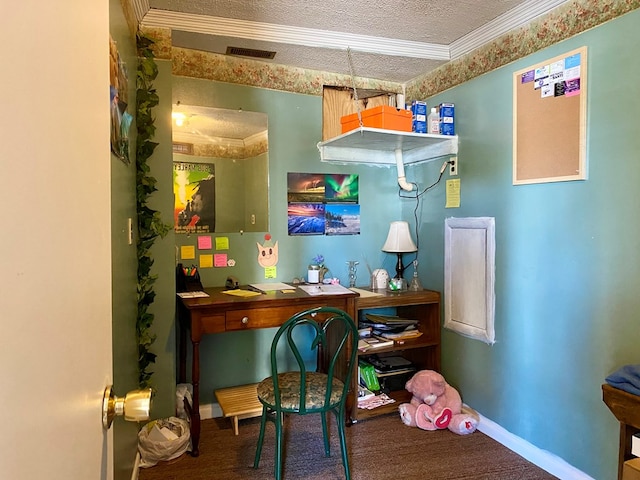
(150, 224)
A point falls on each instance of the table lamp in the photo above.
(399, 241)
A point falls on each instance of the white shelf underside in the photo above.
(374, 146)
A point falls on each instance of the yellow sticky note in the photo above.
(270, 272)
(222, 243)
(453, 193)
(206, 261)
(187, 252)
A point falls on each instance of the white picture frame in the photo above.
(469, 269)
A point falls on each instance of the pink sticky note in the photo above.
(204, 242)
(220, 260)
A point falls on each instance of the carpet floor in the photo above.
(380, 448)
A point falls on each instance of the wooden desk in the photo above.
(221, 313)
(626, 408)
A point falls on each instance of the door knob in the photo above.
(135, 406)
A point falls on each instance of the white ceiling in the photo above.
(392, 40)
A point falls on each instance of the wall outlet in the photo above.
(453, 166)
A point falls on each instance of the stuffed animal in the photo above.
(436, 405)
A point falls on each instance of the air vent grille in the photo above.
(250, 52)
(184, 148)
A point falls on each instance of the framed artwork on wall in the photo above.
(194, 192)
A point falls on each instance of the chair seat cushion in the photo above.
(289, 384)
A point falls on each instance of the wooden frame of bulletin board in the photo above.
(549, 120)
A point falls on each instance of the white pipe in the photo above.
(402, 180)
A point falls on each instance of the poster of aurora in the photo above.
(323, 204)
(194, 189)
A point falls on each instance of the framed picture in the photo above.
(194, 192)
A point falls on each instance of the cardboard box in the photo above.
(384, 116)
(635, 445)
(419, 116)
(631, 469)
(447, 126)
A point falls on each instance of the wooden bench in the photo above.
(239, 402)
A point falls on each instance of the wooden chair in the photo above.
(332, 334)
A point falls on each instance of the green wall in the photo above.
(124, 261)
(567, 257)
(295, 124)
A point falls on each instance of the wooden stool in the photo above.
(239, 402)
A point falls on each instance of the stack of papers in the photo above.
(391, 326)
(372, 342)
(322, 289)
(192, 294)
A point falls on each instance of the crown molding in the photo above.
(514, 18)
(310, 37)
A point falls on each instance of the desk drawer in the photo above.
(210, 324)
(261, 317)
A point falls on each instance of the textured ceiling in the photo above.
(389, 40)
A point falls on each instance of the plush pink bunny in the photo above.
(436, 405)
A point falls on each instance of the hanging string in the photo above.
(353, 85)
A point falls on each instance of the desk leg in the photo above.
(195, 416)
(182, 348)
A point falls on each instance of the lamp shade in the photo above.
(399, 239)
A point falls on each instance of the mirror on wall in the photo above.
(220, 170)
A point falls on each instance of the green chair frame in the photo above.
(335, 338)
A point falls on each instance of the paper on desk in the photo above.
(366, 293)
(325, 289)
(242, 293)
(192, 294)
(268, 287)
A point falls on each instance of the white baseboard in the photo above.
(542, 458)
(210, 410)
(136, 467)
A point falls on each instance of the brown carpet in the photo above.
(380, 448)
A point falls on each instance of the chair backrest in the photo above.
(328, 332)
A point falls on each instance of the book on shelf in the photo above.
(389, 319)
(387, 324)
(403, 335)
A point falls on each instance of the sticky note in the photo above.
(270, 272)
(206, 261)
(222, 243)
(453, 193)
(204, 242)
(187, 252)
(220, 260)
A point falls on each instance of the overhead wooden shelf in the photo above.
(375, 146)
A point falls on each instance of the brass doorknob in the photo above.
(135, 406)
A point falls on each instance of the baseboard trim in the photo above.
(136, 467)
(210, 410)
(542, 458)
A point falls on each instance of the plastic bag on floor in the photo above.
(184, 391)
(163, 440)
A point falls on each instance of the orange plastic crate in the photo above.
(384, 116)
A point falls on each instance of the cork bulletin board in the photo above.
(549, 120)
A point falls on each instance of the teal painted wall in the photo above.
(567, 257)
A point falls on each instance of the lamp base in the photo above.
(399, 266)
